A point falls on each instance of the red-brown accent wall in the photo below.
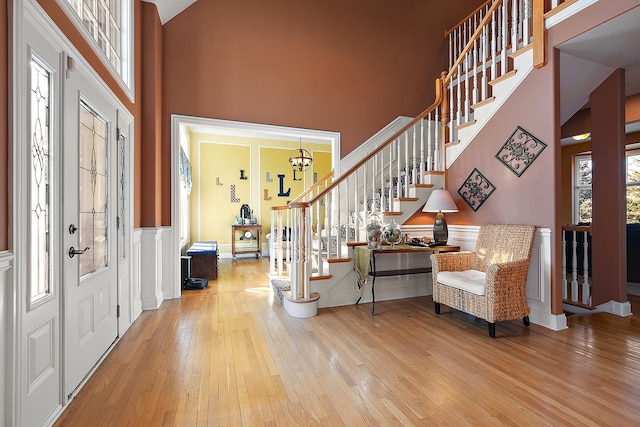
(608, 227)
(151, 178)
(346, 66)
(4, 128)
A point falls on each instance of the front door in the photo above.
(89, 185)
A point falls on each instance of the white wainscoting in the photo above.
(136, 273)
(539, 281)
(171, 286)
(342, 289)
(6, 259)
(151, 250)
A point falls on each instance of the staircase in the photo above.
(492, 51)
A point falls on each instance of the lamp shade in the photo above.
(440, 201)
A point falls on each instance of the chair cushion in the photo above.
(468, 280)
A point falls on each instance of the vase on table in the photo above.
(392, 233)
(374, 231)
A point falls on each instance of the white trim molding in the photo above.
(7, 319)
(151, 258)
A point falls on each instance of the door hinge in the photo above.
(117, 223)
(70, 66)
(118, 310)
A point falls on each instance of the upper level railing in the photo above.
(318, 227)
(576, 264)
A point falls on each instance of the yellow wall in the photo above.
(216, 163)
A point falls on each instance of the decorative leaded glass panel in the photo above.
(39, 180)
(102, 19)
(93, 190)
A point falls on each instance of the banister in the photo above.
(342, 177)
(313, 187)
(539, 35)
(471, 41)
(482, 6)
(572, 227)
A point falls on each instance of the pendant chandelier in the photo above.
(300, 159)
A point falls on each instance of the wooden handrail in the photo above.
(482, 6)
(572, 227)
(342, 177)
(471, 41)
(313, 187)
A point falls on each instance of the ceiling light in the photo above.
(581, 137)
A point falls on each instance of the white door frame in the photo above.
(227, 127)
(13, 390)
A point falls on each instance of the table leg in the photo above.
(373, 296)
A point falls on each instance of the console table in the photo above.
(257, 249)
(367, 262)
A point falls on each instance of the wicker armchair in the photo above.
(489, 283)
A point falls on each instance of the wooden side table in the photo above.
(254, 228)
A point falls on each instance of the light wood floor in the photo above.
(231, 356)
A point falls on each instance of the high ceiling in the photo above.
(167, 9)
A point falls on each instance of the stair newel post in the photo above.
(444, 111)
(586, 290)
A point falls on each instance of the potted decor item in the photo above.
(392, 233)
(374, 231)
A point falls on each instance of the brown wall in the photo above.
(4, 128)
(346, 66)
(608, 228)
(151, 179)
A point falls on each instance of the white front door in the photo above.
(90, 267)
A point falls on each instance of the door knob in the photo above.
(73, 251)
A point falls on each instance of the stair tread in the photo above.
(405, 199)
(502, 77)
(323, 277)
(451, 144)
(421, 186)
(467, 124)
(483, 102)
(337, 260)
(392, 213)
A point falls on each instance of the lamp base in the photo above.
(440, 231)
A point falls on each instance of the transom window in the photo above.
(108, 24)
(583, 193)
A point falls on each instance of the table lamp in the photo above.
(439, 202)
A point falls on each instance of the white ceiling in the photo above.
(586, 60)
(167, 9)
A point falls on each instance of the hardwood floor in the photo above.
(230, 356)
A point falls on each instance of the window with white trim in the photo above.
(582, 192)
(109, 26)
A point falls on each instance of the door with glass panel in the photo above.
(90, 276)
(37, 257)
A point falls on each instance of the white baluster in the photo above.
(390, 197)
(484, 84)
(429, 165)
(451, 49)
(398, 162)
(525, 22)
(505, 37)
(565, 291)
(319, 229)
(586, 291)
(374, 193)
(356, 208)
(382, 196)
(574, 269)
(364, 192)
(348, 217)
(467, 92)
(406, 165)
(423, 158)
(514, 25)
(476, 46)
(554, 3)
(414, 160)
(494, 41)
